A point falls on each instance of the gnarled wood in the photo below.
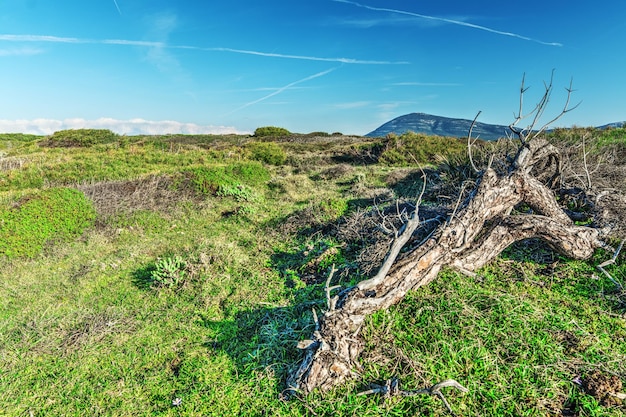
(475, 234)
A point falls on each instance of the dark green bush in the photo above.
(271, 131)
(216, 180)
(53, 214)
(411, 148)
(268, 152)
(81, 137)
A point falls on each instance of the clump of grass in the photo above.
(35, 220)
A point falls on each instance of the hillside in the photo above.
(429, 124)
(175, 275)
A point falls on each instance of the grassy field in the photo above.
(187, 288)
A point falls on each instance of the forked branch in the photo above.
(531, 132)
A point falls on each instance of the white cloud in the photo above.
(126, 127)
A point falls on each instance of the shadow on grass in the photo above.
(142, 277)
(263, 340)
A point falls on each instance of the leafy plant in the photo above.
(274, 131)
(56, 213)
(226, 180)
(268, 152)
(169, 272)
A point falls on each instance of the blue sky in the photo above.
(164, 66)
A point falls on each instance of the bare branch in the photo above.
(530, 132)
(470, 142)
(610, 262)
(330, 302)
(398, 243)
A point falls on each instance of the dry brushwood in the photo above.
(479, 229)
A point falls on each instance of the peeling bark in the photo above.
(472, 237)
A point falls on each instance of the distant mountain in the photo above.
(440, 126)
(445, 126)
(615, 124)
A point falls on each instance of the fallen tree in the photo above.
(477, 230)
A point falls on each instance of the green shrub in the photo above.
(268, 152)
(169, 272)
(410, 147)
(81, 137)
(222, 180)
(271, 131)
(53, 214)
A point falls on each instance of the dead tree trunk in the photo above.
(471, 237)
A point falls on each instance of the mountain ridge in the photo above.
(446, 126)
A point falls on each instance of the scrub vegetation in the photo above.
(176, 275)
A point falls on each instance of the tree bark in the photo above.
(470, 238)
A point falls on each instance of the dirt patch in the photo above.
(604, 388)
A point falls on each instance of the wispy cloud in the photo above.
(280, 90)
(161, 26)
(164, 45)
(352, 105)
(20, 51)
(446, 20)
(125, 127)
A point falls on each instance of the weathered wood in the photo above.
(473, 236)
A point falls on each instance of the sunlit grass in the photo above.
(84, 332)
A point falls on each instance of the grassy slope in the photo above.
(83, 333)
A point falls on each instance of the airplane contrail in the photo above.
(281, 89)
(151, 44)
(117, 7)
(451, 21)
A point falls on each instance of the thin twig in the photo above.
(610, 262)
(392, 389)
(470, 142)
(330, 303)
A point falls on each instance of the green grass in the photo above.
(83, 330)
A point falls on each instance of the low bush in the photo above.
(222, 179)
(53, 214)
(272, 131)
(268, 152)
(80, 138)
